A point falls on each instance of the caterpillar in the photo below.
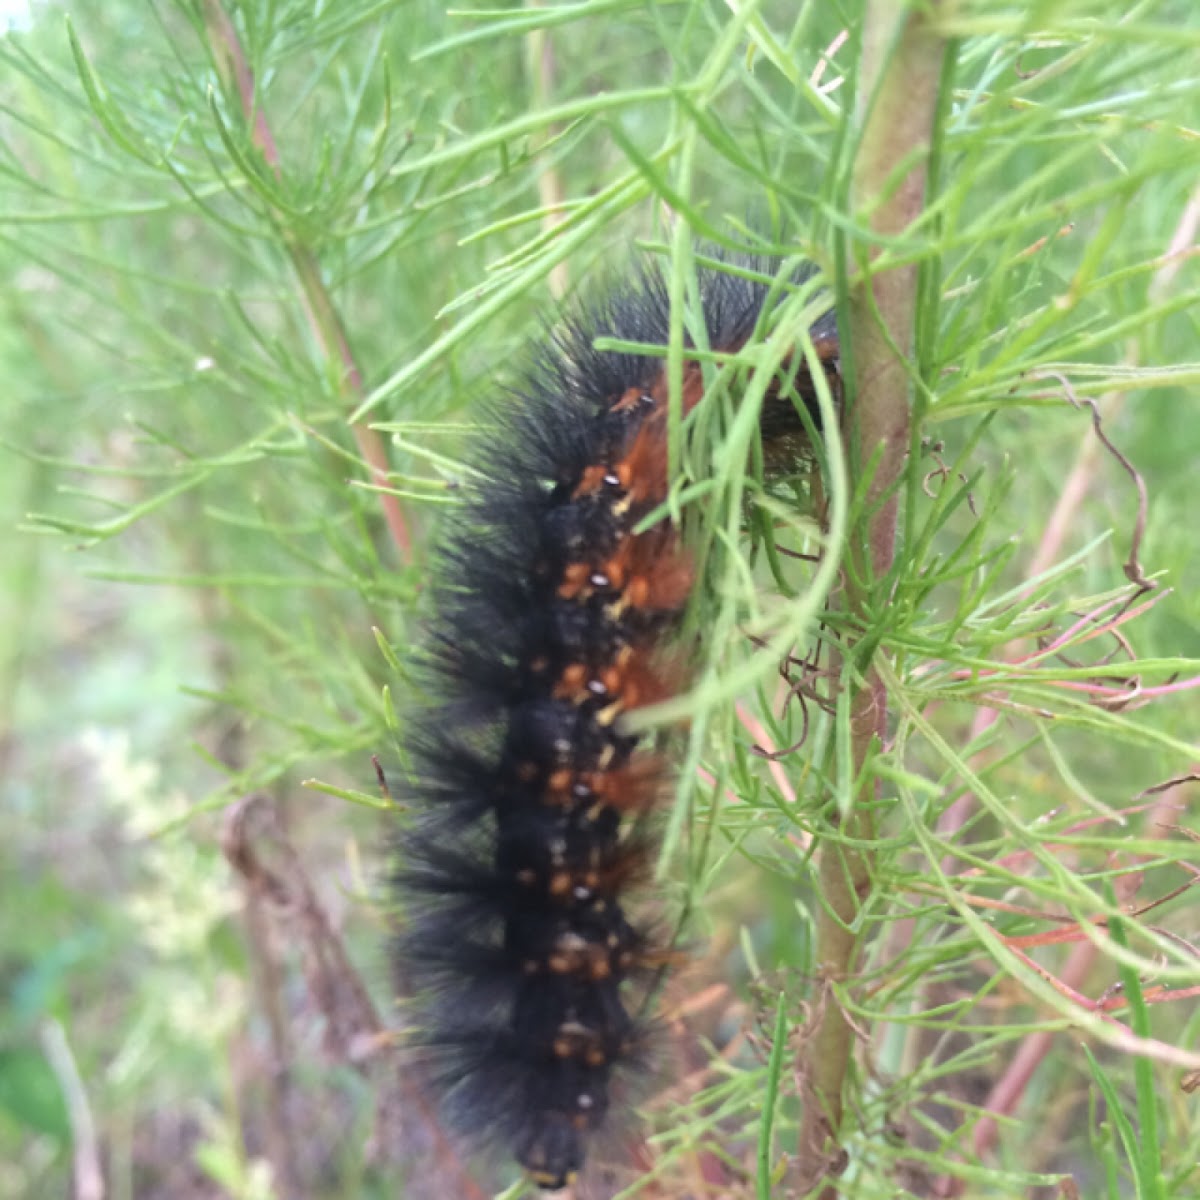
(553, 614)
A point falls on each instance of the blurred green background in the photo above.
(201, 598)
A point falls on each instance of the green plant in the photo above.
(264, 259)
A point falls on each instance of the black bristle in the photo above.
(531, 801)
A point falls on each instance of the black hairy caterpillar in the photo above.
(551, 615)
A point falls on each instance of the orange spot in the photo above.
(574, 581)
(645, 463)
(571, 681)
(629, 399)
(666, 589)
(592, 481)
(660, 573)
(649, 681)
(692, 389)
(615, 569)
(573, 1040)
(635, 788)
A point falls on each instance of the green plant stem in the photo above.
(898, 87)
(323, 317)
(540, 67)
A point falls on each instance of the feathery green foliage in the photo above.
(231, 286)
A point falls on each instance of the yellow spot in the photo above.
(616, 610)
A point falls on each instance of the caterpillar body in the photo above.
(552, 609)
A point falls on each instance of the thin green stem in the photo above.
(900, 69)
(323, 317)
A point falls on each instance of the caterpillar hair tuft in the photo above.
(554, 617)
